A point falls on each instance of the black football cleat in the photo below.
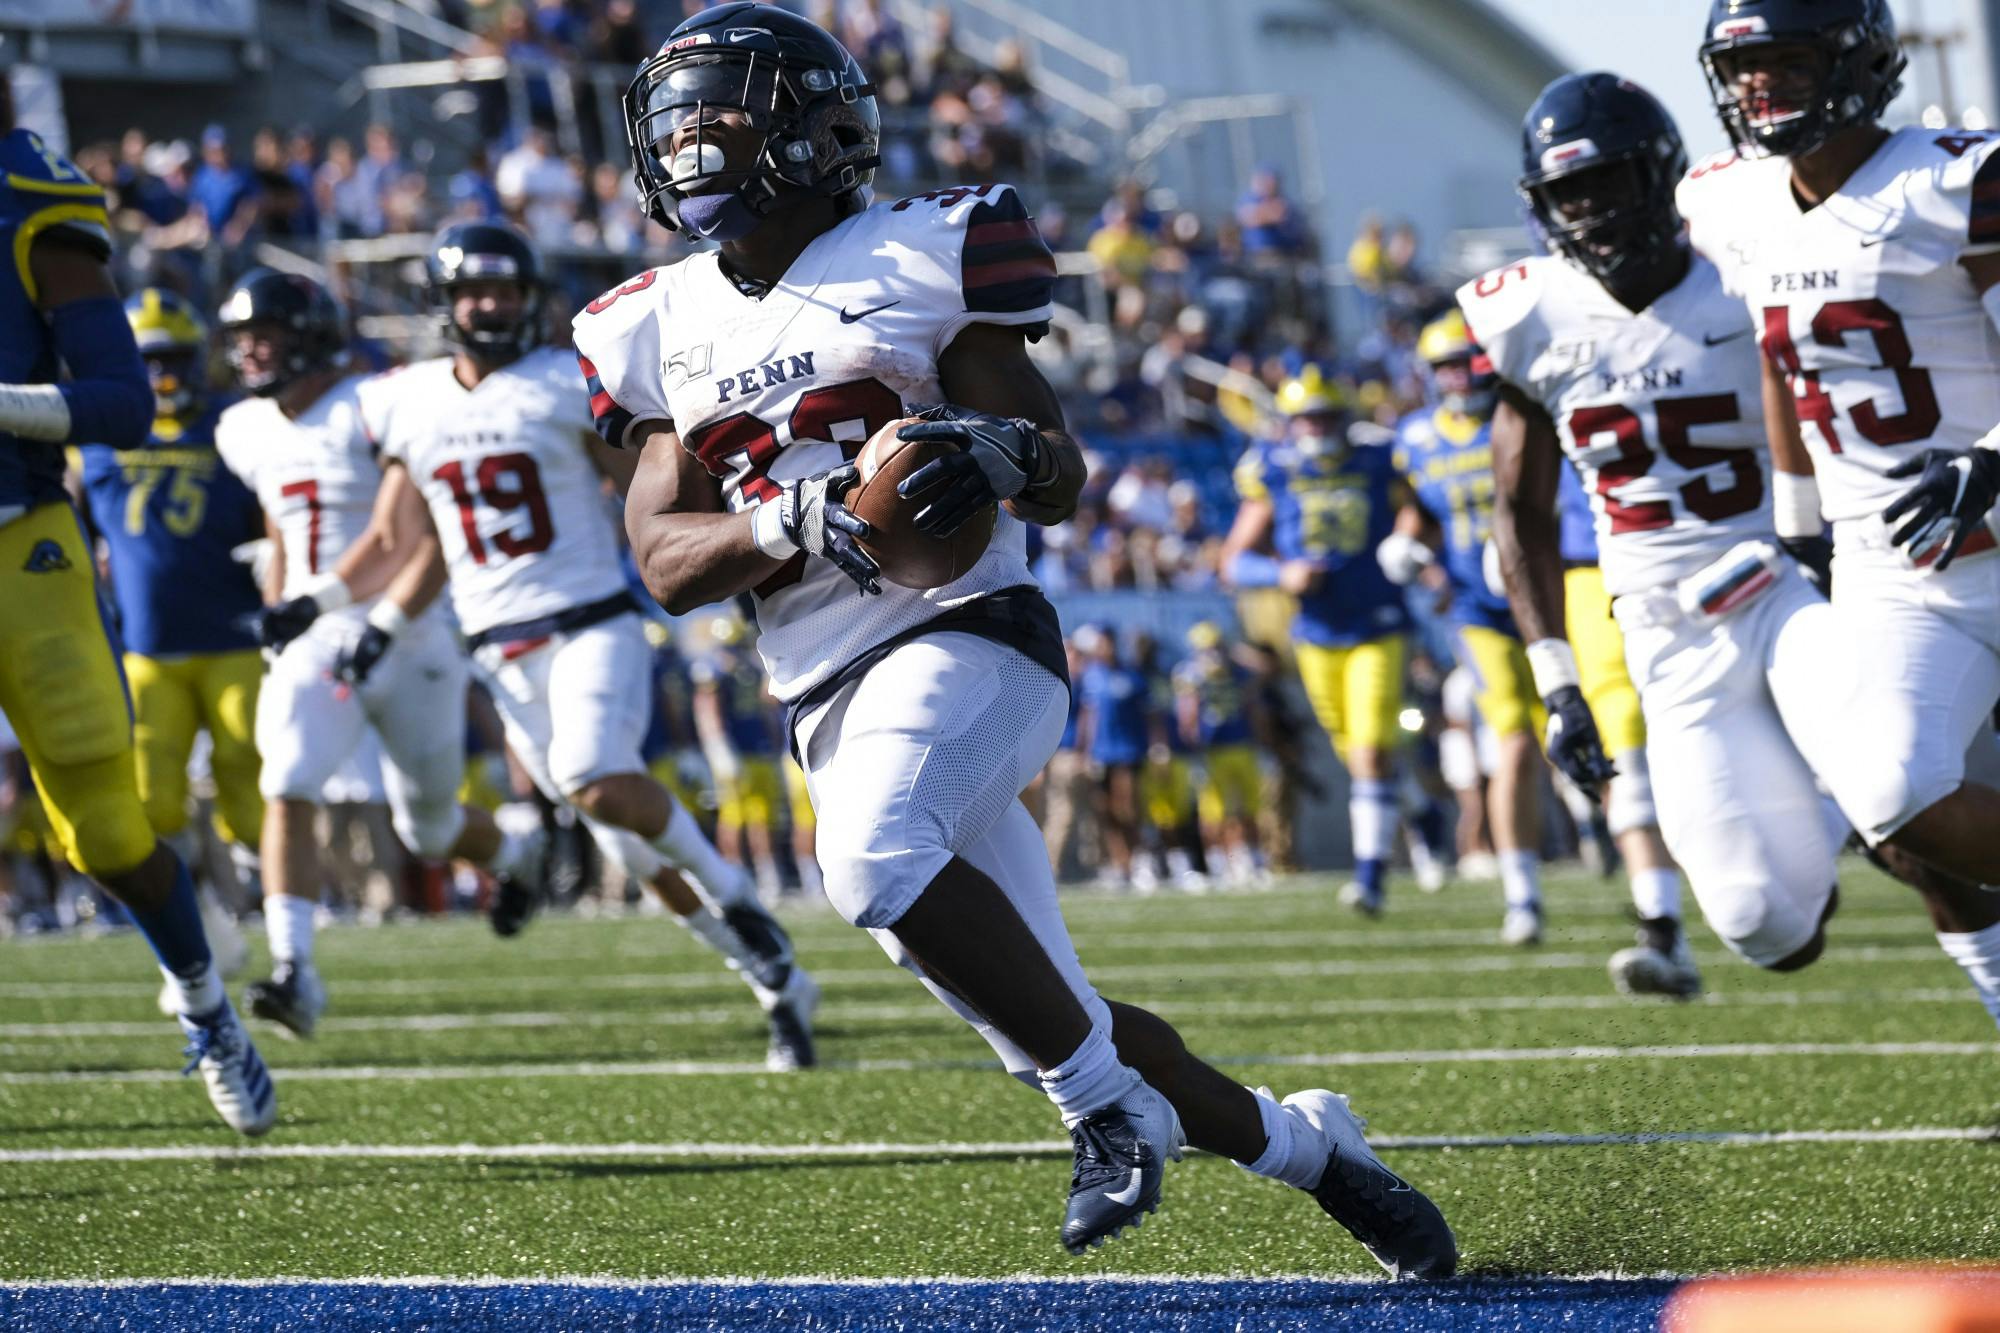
(292, 997)
(1399, 1226)
(1121, 1157)
(790, 1011)
(513, 905)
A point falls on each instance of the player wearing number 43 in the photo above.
(747, 377)
(1624, 352)
(489, 452)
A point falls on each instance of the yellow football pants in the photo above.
(174, 699)
(1356, 692)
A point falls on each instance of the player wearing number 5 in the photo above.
(170, 514)
(1314, 505)
(490, 452)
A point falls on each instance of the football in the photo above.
(908, 557)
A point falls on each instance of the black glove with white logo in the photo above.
(998, 458)
(812, 518)
(354, 663)
(1573, 743)
(1951, 497)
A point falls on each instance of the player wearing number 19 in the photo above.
(490, 451)
(299, 443)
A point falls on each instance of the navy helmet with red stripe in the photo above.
(475, 252)
(1860, 67)
(310, 325)
(1600, 158)
(785, 77)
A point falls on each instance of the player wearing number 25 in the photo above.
(170, 513)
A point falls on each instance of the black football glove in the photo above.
(354, 663)
(810, 512)
(1814, 557)
(998, 458)
(1573, 743)
(279, 625)
(1951, 497)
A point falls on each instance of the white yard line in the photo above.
(780, 1152)
(1316, 1060)
(1372, 1278)
(1189, 1010)
(706, 979)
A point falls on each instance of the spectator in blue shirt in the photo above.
(473, 195)
(224, 191)
(1271, 222)
(1112, 731)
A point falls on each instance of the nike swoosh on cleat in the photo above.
(846, 318)
(1130, 1194)
(1710, 340)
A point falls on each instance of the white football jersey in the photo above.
(515, 498)
(315, 476)
(1862, 302)
(1661, 411)
(765, 391)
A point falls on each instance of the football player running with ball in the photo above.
(747, 378)
(488, 451)
(1870, 263)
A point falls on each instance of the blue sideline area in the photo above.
(1060, 1307)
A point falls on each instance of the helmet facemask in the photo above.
(1614, 218)
(494, 337)
(178, 376)
(1856, 75)
(765, 135)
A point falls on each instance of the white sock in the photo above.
(1090, 1079)
(1521, 879)
(288, 924)
(202, 994)
(1978, 952)
(1293, 1158)
(1657, 893)
(707, 925)
(682, 843)
(1371, 812)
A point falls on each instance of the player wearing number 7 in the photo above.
(490, 452)
(1870, 262)
(298, 442)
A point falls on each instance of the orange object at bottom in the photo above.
(1873, 1300)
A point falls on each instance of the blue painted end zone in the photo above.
(962, 1307)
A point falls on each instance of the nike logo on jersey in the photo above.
(1711, 340)
(1130, 1194)
(846, 318)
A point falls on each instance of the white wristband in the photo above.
(769, 534)
(34, 412)
(386, 616)
(1553, 664)
(330, 591)
(1795, 505)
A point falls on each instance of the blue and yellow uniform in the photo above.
(1333, 508)
(1167, 786)
(170, 514)
(1447, 457)
(749, 798)
(1222, 695)
(1593, 634)
(670, 725)
(59, 681)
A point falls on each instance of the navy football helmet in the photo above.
(788, 80)
(1860, 66)
(486, 252)
(313, 324)
(1600, 158)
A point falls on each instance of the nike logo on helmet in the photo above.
(846, 318)
(1130, 1194)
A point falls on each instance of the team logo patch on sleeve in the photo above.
(46, 558)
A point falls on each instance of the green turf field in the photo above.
(589, 1099)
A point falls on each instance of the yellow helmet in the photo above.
(164, 321)
(1204, 636)
(1310, 392)
(1446, 338)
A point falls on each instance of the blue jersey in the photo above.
(40, 191)
(668, 722)
(1160, 712)
(1119, 703)
(1334, 510)
(1222, 691)
(170, 514)
(739, 685)
(1448, 459)
(1578, 524)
